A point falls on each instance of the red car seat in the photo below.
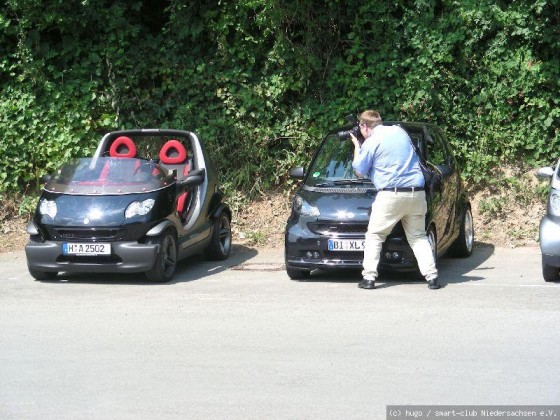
(123, 147)
(173, 156)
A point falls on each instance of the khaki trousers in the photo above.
(388, 208)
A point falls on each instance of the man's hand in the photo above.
(354, 139)
(357, 147)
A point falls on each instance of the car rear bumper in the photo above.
(126, 257)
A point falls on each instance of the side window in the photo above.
(417, 138)
(437, 151)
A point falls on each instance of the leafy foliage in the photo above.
(261, 81)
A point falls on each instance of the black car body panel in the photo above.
(331, 204)
(102, 214)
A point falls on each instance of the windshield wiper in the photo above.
(352, 181)
(344, 182)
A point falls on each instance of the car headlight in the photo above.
(47, 208)
(304, 208)
(554, 204)
(139, 208)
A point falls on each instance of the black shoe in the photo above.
(367, 284)
(433, 284)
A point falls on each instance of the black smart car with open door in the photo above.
(332, 207)
(146, 199)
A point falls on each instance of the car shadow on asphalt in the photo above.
(189, 269)
(197, 267)
(451, 271)
(464, 270)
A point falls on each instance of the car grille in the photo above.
(91, 234)
(351, 230)
(334, 228)
(345, 255)
(89, 259)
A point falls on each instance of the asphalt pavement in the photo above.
(240, 340)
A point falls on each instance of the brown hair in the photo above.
(371, 118)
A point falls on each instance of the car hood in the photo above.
(93, 211)
(341, 204)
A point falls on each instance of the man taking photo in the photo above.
(388, 158)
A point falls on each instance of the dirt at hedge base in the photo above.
(513, 227)
(261, 223)
(12, 228)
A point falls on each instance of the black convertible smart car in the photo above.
(332, 207)
(146, 199)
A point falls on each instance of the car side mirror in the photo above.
(545, 172)
(297, 173)
(446, 170)
(45, 178)
(194, 178)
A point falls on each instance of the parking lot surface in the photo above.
(239, 340)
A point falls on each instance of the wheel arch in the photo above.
(219, 210)
(162, 227)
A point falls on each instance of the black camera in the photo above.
(345, 135)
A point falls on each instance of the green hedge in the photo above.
(262, 80)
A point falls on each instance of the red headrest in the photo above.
(173, 153)
(123, 147)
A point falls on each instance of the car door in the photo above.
(438, 154)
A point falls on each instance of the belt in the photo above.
(402, 189)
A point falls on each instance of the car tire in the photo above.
(166, 258)
(43, 275)
(220, 244)
(463, 245)
(296, 274)
(550, 273)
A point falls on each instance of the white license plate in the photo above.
(346, 245)
(86, 249)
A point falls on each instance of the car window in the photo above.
(437, 152)
(333, 162)
(418, 138)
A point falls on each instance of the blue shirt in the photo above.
(388, 159)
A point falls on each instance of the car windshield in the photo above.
(106, 175)
(333, 164)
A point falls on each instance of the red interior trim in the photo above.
(181, 202)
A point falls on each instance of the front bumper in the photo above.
(549, 238)
(126, 257)
(299, 245)
(551, 260)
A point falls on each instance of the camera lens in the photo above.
(343, 135)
